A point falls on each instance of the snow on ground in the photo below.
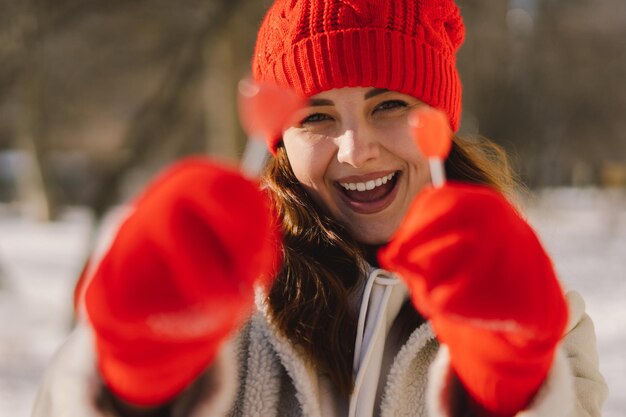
(39, 263)
(584, 231)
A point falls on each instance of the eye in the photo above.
(391, 105)
(315, 118)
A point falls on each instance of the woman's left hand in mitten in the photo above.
(476, 269)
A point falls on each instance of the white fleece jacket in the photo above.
(260, 374)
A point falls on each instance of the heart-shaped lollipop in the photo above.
(264, 110)
(432, 133)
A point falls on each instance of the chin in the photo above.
(369, 237)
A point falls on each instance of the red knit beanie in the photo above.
(407, 46)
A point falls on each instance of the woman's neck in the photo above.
(370, 254)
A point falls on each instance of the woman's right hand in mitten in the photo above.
(178, 279)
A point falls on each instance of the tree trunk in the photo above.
(36, 184)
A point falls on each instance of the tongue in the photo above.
(371, 195)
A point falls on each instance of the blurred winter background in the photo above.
(96, 96)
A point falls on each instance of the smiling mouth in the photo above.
(370, 196)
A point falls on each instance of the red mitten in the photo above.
(178, 279)
(476, 269)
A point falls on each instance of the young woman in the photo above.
(466, 319)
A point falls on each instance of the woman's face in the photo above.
(353, 152)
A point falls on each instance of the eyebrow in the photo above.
(375, 92)
(320, 102)
(325, 102)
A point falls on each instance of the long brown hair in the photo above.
(322, 262)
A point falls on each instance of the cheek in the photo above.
(309, 160)
(404, 146)
(415, 158)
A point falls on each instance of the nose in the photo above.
(357, 149)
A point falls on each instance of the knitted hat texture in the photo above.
(407, 46)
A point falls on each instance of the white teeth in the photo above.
(369, 185)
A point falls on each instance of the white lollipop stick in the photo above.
(255, 156)
(437, 172)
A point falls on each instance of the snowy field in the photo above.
(584, 230)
